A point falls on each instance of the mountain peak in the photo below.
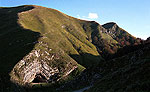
(109, 25)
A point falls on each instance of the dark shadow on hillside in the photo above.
(107, 67)
(88, 76)
(128, 49)
(15, 43)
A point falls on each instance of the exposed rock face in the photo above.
(148, 40)
(38, 64)
(112, 29)
(29, 72)
(117, 33)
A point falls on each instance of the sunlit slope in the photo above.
(24, 26)
(62, 31)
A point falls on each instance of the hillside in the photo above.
(39, 41)
(44, 46)
(128, 73)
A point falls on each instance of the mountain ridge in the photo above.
(45, 45)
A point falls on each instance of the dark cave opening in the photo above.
(39, 78)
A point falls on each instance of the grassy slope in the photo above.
(13, 43)
(24, 25)
(13, 38)
(63, 32)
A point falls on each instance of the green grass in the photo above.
(108, 38)
(69, 38)
(63, 34)
(27, 26)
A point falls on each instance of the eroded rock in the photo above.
(41, 66)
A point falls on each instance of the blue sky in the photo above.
(131, 15)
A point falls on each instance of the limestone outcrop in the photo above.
(38, 66)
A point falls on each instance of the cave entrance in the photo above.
(39, 78)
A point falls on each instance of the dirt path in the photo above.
(81, 90)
